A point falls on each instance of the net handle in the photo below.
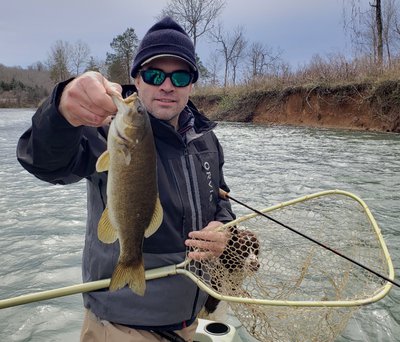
(179, 269)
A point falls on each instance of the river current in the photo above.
(42, 226)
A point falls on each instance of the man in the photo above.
(69, 133)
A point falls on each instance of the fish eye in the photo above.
(140, 108)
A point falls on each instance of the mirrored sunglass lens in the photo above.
(180, 78)
(155, 77)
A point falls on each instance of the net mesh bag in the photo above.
(295, 289)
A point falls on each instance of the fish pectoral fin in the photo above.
(156, 220)
(105, 230)
(103, 162)
(133, 275)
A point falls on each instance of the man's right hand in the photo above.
(86, 100)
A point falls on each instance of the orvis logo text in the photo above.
(207, 167)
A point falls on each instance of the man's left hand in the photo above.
(208, 242)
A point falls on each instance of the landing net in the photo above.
(297, 290)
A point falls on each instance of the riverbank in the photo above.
(362, 106)
(371, 106)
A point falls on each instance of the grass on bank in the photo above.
(360, 81)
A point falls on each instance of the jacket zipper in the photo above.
(192, 189)
(188, 166)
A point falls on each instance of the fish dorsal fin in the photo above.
(156, 220)
(105, 230)
(103, 162)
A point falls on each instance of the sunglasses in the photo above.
(156, 77)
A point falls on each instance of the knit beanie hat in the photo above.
(165, 39)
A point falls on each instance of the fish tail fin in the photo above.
(133, 275)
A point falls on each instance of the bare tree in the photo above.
(196, 16)
(232, 45)
(365, 26)
(80, 52)
(379, 29)
(257, 58)
(214, 65)
(39, 66)
(238, 52)
(66, 59)
(59, 62)
(391, 33)
(261, 58)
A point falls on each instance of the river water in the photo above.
(42, 226)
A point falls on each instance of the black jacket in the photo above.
(189, 176)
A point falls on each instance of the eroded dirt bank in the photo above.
(374, 107)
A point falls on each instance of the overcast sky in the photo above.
(300, 29)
